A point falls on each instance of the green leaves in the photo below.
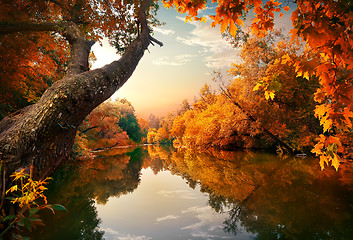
(56, 207)
(26, 192)
(9, 217)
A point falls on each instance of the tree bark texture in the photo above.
(42, 135)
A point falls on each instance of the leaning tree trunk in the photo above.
(42, 134)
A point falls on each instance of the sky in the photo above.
(167, 75)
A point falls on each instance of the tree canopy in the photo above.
(326, 28)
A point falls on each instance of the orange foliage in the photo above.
(101, 128)
(326, 31)
(325, 27)
(30, 63)
(229, 12)
(240, 116)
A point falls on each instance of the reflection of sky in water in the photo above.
(162, 207)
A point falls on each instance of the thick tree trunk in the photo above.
(42, 134)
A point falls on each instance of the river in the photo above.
(162, 193)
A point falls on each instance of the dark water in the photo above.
(159, 193)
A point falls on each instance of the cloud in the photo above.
(164, 31)
(178, 193)
(206, 218)
(168, 217)
(121, 236)
(217, 52)
(218, 60)
(173, 61)
(208, 223)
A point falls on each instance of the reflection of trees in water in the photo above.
(112, 173)
(297, 210)
(269, 196)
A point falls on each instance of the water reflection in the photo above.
(112, 173)
(271, 197)
(267, 196)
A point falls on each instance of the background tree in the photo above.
(128, 121)
(325, 26)
(263, 104)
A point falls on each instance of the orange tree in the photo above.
(326, 28)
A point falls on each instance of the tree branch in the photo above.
(153, 40)
(80, 48)
(7, 28)
(86, 130)
(228, 94)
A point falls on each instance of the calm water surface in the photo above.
(160, 193)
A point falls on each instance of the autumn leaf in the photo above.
(257, 86)
(336, 161)
(327, 124)
(333, 140)
(286, 8)
(321, 110)
(323, 160)
(269, 95)
(232, 28)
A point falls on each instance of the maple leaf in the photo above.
(269, 95)
(333, 140)
(335, 161)
(232, 28)
(321, 110)
(286, 58)
(323, 160)
(327, 125)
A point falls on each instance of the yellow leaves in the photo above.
(285, 59)
(203, 19)
(327, 149)
(335, 161)
(12, 189)
(224, 26)
(323, 160)
(321, 110)
(18, 175)
(269, 95)
(187, 19)
(326, 123)
(29, 191)
(257, 87)
(232, 28)
(304, 74)
(323, 113)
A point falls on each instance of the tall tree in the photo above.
(42, 134)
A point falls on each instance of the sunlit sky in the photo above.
(167, 75)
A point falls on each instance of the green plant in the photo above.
(27, 195)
